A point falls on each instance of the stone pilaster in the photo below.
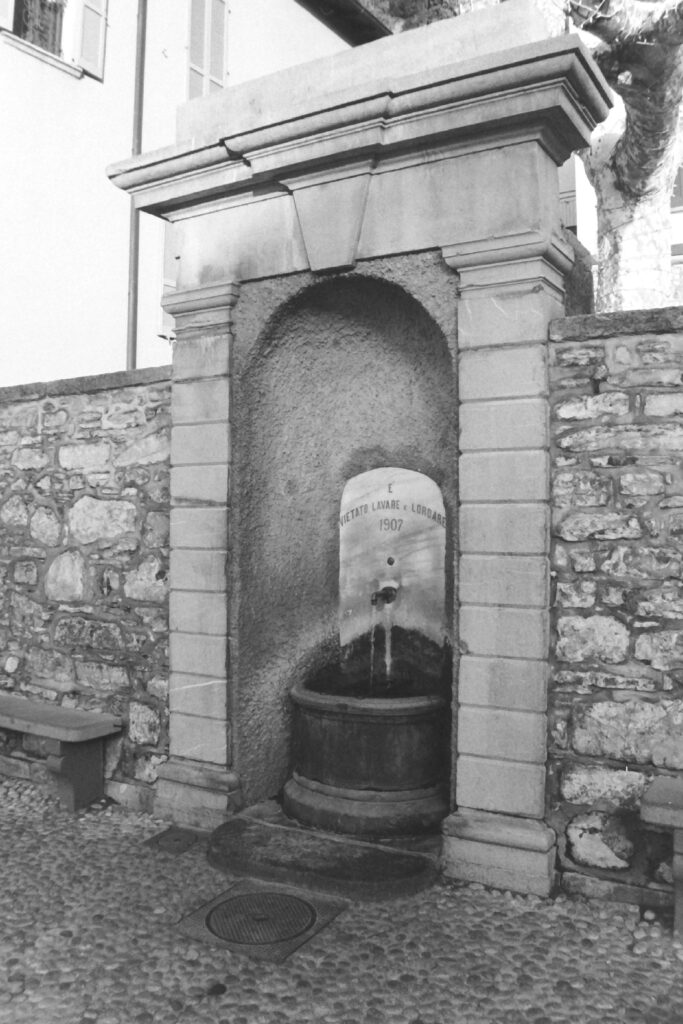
(496, 836)
(196, 787)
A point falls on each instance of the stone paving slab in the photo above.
(244, 846)
(88, 935)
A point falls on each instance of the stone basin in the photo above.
(374, 766)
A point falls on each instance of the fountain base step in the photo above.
(363, 812)
(275, 849)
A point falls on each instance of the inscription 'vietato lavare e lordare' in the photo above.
(391, 505)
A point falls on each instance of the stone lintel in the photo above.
(499, 850)
(373, 102)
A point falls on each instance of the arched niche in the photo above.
(349, 375)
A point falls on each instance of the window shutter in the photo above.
(93, 33)
(7, 14)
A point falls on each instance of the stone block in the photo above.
(194, 612)
(198, 570)
(147, 582)
(510, 787)
(597, 636)
(663, 650)
(205, 356)
(94, 519)
(144, 724)
(591, 407)
(581, 488)
(196, 794)
(508, 632)
(518, 372)
(578, 593)
(605, 525)
(200, 445)
(592, 784)
(199, 527)
(504, 476)
(147, 450)
(504, 579)
(631, 731)
(102, 677)
(664, 405)
(200, 401)
(197, 483)
(204, 696)
(29, 458)
(499, 850)
(199, 738)
(134, 796)
(502, 734)
(67, 578)
(504, 528)
(598, 840)
(642, 562)
(513, 423)
(45, 527)
(665, 600)
(14, 512)
(198, 653)
(641, 482)
(506, 314)
(503, 683)
(84, 456)
(640, 438)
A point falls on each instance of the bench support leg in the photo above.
(77, 772)
(678, 883)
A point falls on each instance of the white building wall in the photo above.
(65, 227)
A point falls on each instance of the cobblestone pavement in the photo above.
(87, 916)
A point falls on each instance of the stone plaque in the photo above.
(392, 553)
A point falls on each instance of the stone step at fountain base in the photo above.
(268, 847)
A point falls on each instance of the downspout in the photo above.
(134, 231)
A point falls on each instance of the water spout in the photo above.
(387, 594)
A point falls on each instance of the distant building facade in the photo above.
(85, 83)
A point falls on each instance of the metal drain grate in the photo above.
(262, 920)
(259, 918)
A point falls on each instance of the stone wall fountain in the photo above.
(370, 251)
(371, 731)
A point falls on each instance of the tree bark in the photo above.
(634, 230)
(634, 155)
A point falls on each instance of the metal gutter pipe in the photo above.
(134, 231)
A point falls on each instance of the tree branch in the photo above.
(642, 59)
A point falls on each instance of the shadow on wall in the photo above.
(350, 375)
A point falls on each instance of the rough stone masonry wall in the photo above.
(616, 698)
(84, 514)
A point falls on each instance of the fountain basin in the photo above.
(368, 766)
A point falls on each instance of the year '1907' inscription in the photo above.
(391, 505)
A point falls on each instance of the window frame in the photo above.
(73, 57)
(203, 70)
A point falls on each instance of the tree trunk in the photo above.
(634, 230)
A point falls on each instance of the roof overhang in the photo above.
(348, 18)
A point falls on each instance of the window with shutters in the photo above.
(207, 64)
(72, 30)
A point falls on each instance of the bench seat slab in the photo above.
(40, 719)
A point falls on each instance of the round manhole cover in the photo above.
(260, 918)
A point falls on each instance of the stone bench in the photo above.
(662, 804)
(74, 743)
